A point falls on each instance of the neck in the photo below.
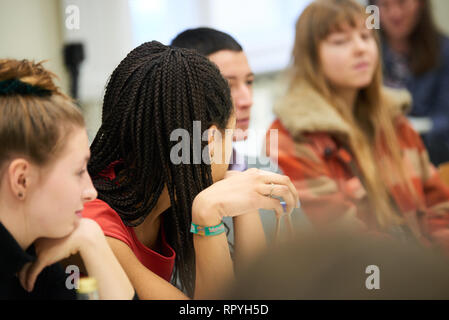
(400, 45)
(163, 203)
(147, 232)
(13, 219)
(348, 96)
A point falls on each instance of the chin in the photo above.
(61, 232)
(69, 228)
(363, 83)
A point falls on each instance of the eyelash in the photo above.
(340, 41)
(81, 172)
(366, 36)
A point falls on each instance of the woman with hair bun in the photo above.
(44, 185)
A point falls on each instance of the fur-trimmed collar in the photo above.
(305, 110)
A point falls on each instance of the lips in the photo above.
(79, 213)
(361, 66)
(243, 121)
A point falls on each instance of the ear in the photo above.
(211, 139)
(19, 172)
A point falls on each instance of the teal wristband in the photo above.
(207, 231)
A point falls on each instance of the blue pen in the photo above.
(284, 205)
(289, 222)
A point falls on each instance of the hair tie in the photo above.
(15, 86)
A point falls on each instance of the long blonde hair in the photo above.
(371, 122)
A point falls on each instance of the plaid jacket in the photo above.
(325, 173)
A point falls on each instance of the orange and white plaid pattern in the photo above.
(330, 190)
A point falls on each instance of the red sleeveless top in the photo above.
(161, 262)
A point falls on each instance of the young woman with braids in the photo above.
(147, 203)
(43, 186)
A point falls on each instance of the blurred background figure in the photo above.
(416, 56)
(223, 50)
(344, 265)
(343, 137)
(231, 60)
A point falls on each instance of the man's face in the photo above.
(234, 67)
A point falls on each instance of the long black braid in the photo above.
(155, 90)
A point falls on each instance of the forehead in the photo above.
(231, 63)
(76, 147)
(348, 26)
(73, 154)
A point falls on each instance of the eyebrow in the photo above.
(234, 77)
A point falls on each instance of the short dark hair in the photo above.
(206, 41)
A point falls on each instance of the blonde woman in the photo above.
(344, 140)
(44, 185)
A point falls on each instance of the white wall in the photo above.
(32, 30)
(441, 14)
(105, 31)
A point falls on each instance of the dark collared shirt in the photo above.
(50, 284)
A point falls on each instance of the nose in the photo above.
(243, 97)
(89, 192)
(360, 44)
